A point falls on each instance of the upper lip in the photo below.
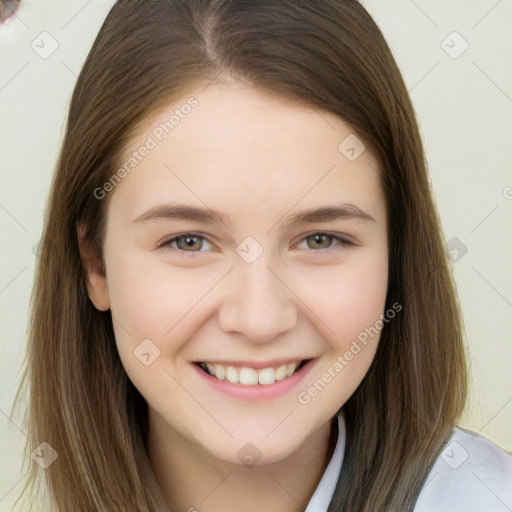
(275, 363)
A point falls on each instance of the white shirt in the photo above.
(471, 474)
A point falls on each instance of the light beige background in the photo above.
(464, 107)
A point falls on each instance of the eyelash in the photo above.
(191, 254)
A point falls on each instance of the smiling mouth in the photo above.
(247, 376)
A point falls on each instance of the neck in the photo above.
(192, 479)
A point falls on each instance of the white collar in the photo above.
(325, 490)
(447, 487)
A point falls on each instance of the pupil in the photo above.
(318, 238)
(189, 241)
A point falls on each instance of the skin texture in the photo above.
(258, 159)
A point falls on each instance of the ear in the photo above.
(94, 271)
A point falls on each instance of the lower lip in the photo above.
(260, 391)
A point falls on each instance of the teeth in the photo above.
(250, 376)
(281, 373)
(290, 368)
(219, 372)
(232, 375)
(267, 376)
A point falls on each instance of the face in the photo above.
(215, 263)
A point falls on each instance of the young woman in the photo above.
(243, 301)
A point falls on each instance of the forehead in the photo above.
(242, 151)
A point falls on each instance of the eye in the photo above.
(195, 242)
(184, 242)
(324, 241)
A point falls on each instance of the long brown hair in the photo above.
(331, 56)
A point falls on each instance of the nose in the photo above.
(257, 302)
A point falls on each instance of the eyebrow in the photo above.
(209, 216)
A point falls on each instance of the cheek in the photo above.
(347, 298)
(150, 297)
(150, 304)
(352, 305)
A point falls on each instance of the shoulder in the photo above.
(470, 474)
